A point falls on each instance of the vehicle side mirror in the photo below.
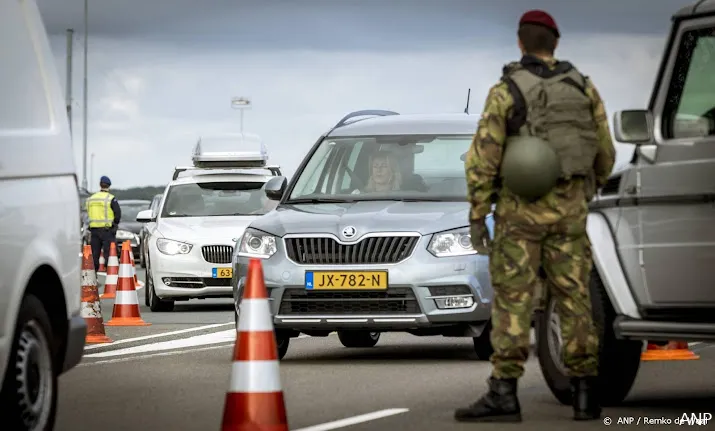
(145, 216)
(633, 127)
(275, 187)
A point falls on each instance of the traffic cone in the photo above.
(673, 351)
(110, 282)
(91, 310)
(102, 261)
(137, 283)
(126, 304)
(254, 400)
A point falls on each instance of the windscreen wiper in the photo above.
(319, 201)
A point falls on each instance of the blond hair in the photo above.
(395, 178)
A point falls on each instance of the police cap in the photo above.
(105, 180)
(540, 17)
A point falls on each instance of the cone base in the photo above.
(254, 412)
(97, 339)
(669, 355)
(127, 321)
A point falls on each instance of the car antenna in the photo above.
(466, 108)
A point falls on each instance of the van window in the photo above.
(690, 106)
(25, 105)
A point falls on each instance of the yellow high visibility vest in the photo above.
(99, 210)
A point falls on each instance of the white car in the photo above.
(191, 237)
(42, 332)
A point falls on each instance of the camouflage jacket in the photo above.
(483, 162)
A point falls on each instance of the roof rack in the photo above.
(364, 113)
(223, 156)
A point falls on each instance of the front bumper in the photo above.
(76, 333)
(416, 285)
(181, 277)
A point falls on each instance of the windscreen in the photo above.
(217, 199)
(380, 167)
(129, 212)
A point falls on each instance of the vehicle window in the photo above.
(349, 167)
(25, 105)
(155, 205)
(378, 173)
(308, 183)
(690, 105)
(129, 212)
(217, 199)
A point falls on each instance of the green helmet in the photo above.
(530, 167)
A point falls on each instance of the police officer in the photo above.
(543, 97)
(104, 215)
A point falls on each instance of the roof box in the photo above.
(238, 150)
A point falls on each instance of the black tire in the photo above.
(282, 343)
(619, 360)
(483, 344)
(155, 304)
(358, 339)
(142, 257)
(29, 392)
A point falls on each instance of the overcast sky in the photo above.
(163, 72)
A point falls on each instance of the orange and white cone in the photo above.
(102, 261)
(126, 303)
(254, 400)
(673, 351)
(137, 284)
(110, 281)
(91, 310)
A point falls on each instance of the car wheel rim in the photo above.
(33, 374)
(554, 339)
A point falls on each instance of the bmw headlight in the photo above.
(124, 235)
(171, 247)
(255, 243)
(457, 242)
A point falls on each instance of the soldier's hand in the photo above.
(480, 237)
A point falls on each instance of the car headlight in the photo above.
(255, 243)
(457, 242)
(124, 235)
(171, 247)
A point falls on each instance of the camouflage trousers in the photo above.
(518, 253)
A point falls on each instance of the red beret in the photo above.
(540, 17)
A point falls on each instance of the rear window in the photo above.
(217, 199)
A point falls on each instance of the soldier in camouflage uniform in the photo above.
(548, 233)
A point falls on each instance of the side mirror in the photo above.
(275, 187)
(145, 216)
(633, 127)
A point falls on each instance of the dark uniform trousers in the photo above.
(102, 238)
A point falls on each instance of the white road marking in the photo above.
(163, 334)
(342, 423)
(180, 343)
(197, 340)
(152, 355)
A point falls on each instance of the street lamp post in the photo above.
(241, 103)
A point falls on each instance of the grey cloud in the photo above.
(346, 24)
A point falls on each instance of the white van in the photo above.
(41, 331)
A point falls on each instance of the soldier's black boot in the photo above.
(586, 403)
(500, 404)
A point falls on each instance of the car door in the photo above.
(672, 211)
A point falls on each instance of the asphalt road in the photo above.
(178, 381)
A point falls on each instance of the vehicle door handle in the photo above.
(631, 190)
